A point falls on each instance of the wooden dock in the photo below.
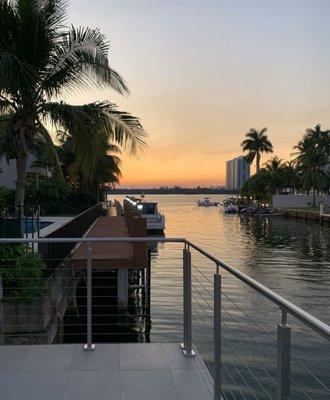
(107, 255)
(115, 255)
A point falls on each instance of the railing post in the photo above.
(217, 334)
(89, 346)
(187, 326)
(283, 358)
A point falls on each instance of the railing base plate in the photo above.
(89, 348)
(187, 353)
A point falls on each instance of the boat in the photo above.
(230, 207)
(207, 202)
(149, 211)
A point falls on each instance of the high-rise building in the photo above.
(237, 173)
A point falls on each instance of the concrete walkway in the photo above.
(135, 371)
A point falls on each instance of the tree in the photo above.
(259, 186)
(319, 139)
(274, 165)
(40, 60)
(275, 168)
(290, 176)
(106, 164)
(312, 156)
(255, 144)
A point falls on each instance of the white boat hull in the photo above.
(155, 223)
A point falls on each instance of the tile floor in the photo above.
(112, 372)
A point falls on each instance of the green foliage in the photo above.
(57, 197)
(256, 142)
(259, 186)
(21, 272)
(309, 171)
(7, 196)
(41, 59)
(106, 168)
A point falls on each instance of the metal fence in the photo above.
(280, 352)
(54, 252)
(19, 221)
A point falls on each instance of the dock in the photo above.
(119, 256)
(307, 215)
(113, 255)
(131, 371)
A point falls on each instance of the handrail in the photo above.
(313, 322)
(303, 316)
(81, 214)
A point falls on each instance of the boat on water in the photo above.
(262, 209)
(239, 205)
(149, 211)
(230, 206)
(207, 202)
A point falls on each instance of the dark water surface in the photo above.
(291, 257)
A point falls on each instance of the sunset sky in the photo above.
(202, 73)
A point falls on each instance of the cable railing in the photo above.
(254, 343)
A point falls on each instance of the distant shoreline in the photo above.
(201, 191)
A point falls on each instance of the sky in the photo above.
(203, 72)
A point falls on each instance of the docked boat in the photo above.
(207, 202)
(149, 211)
(230, 206)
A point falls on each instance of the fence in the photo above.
(54, 252)
(19, 221)
(281, 352)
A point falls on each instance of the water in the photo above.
(291, 257)
(31, 226)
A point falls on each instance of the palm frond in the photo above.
(93, 125)
(14, 74)
(51, 151)
(81, 60)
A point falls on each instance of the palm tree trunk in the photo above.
(258, 162)
(21, 167)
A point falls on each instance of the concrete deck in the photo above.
(142, 371)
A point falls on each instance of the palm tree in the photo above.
(274, 165)
(106, 165)
(311, 158)
(319, 139)
(255, 144)
(40, 60)
(290, 176)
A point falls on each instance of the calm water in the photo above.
(291, 257)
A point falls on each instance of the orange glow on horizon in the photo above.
(199, 83)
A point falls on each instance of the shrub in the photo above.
(21, 271)
(7, 196)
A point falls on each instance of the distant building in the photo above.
(8, 171)
(237, 173)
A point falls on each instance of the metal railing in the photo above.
(19, 221)
(223, 323)
(77, 227)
